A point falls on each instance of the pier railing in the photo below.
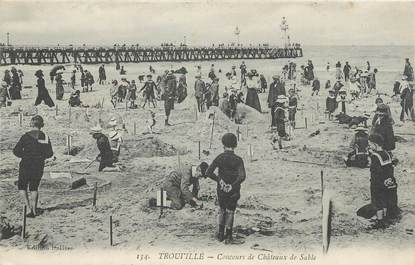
(10, 55)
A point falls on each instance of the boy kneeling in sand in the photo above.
(231, 173)
(383, 186)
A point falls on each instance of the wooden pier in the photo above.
(10, 55)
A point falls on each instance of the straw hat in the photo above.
(404, 77)
(360, 128)
(281, 99)
(96, 129)
(275, 77)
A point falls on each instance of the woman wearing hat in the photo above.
(382, 124)
(407, 99)
(42, 92)
(280, 118)
(34, 147)
(115, 138)
(331, 103)
(15, 85)
(360, 154)
(105, 156)
(252, 98)
(231, 174)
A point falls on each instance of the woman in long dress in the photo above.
(59, 87)
(252, 99)
(42, 94)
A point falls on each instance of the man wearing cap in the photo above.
(407, 99)
(346, 71)
(231, 174)
(199, 91)
(115, 138)
(382, 124)
(101, 74)
(34, 147)
(149, 88)
(359, 156)
(105, 156)
(383, 186)
(42, 92)
(15, 86)
(331, 103)
(182, 186)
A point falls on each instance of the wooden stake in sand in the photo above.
(211, 133)
(161, 200)
(135, 128)
(69, 143)
(20, 119)
(178, 160)
(247, 128)
(250, 152)
(199, 150)
(94, 200)
(196, 112)
(110, 230)
(24, 222)
(238, 132)
(305, 122)
(326, 222)
(70, 113)
(322, 183)
(57, 110)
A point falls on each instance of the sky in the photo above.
(207, 22)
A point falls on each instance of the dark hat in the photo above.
(149, 76)
(39, 73)
(203, 167)
(229, 140)
(37, 121)
(377, 139)
(379, 100)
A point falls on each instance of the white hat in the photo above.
(96, 129)
(281, 99)
(3, 84)
(360, 128)
(404, 77)
(59, 72)
(112, 122)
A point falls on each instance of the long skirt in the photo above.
(252, 99)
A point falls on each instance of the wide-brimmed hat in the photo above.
(342, 90)
(281, 99)
(198, 76)
(275, 77)
(39, 73)
(3, 84)
(112, 122)
(59, 72)
(404, 77)
(360, 128)
(96, 129)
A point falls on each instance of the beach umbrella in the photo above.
(55, 69)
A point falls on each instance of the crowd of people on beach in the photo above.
(369, 149)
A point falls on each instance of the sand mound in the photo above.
(148, 147)
(246, 113)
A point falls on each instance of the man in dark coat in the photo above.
(15, 86)
(214, 92)
(407, 100)
(183, 187)
(346, 71)
(276, 88)
(231, 174)
(102, 75)
(169, 95)
(33, 148)
(408, 71)
(200, 88)
(105, 156)
(360, 143)
(42, 92)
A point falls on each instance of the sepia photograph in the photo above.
(207, 132)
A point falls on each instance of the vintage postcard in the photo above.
(207, 132)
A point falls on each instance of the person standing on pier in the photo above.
(42, 92)
(59, 86)
(199, 91)
(102, 75)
